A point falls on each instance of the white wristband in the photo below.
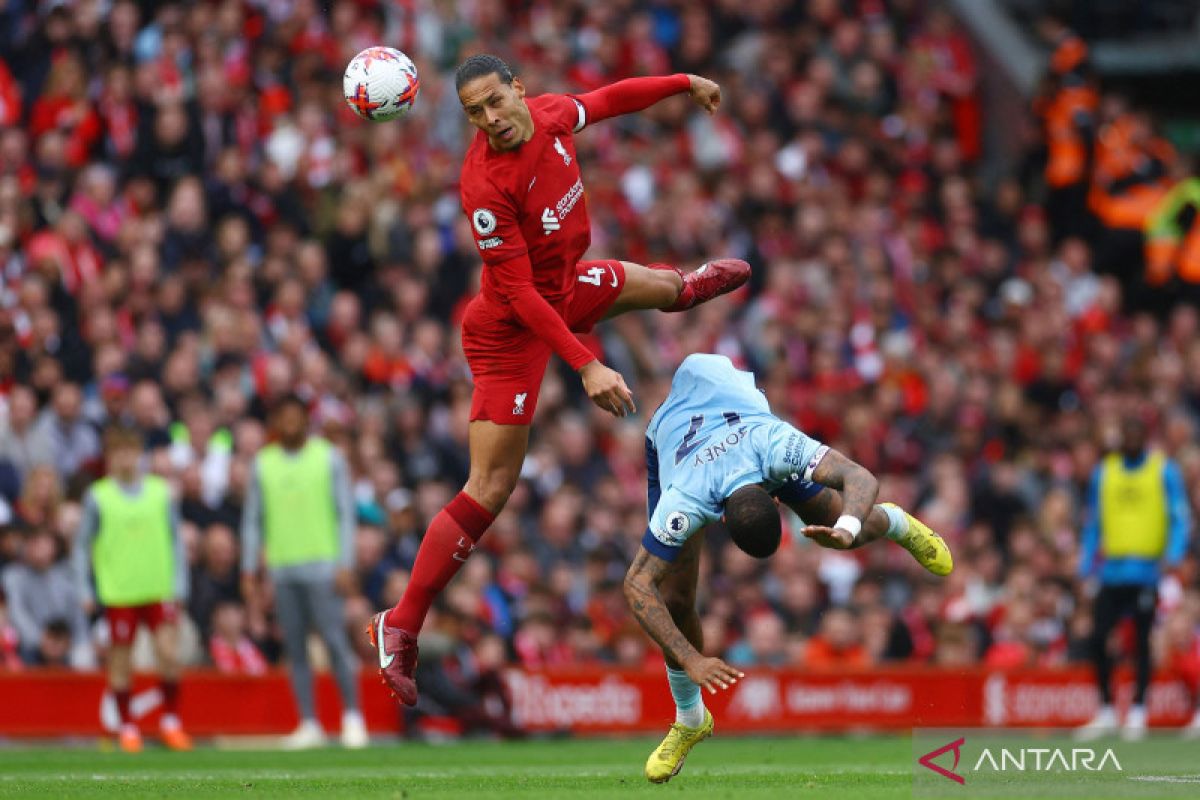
(849, 523)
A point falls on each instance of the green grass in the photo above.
(841, 768)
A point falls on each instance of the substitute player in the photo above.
(1138, 520)
(713, 450)
(524, 196)
(129, 540)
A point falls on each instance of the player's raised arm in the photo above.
(637, 94)
(644, 598)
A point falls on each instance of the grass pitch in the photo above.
(847, 769)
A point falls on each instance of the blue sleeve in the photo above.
(657, 548)
(1091, 527)
(653, 490)
(1179, 513)
(676, 517)
(788, 453)
(797, 491)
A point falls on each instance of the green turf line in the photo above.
(845, 769)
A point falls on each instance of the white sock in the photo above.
(169, 722)
(897, 523)
(689, 703)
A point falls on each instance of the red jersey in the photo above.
(530, 200)
(528, 212)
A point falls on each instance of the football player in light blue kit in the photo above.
(714, 450)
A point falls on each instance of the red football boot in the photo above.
(711, 280)
(397, 658)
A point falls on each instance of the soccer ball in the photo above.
(380, 84)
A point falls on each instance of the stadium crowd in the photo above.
(193, 225)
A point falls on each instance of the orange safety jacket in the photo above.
(1129, 175)
(1173, 246)
(1068, 119)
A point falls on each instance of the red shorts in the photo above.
(123, 620)
(507, 361)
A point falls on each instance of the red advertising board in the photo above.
(596, 701)
(790, 699)
(58, 703)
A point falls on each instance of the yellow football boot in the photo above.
(667, 759)
(929, 549)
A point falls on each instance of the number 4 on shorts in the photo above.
(593, 276)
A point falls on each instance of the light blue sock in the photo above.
(897, 523)
(689, 705)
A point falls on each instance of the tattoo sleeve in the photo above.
(645, 600)
(858, 486)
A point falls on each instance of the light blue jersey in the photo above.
(714, 434)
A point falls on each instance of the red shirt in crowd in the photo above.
(241, 657)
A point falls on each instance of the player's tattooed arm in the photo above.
(856, 483)
(644, 597)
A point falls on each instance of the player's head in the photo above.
(289, 420)
(1133, 435)
(753, 521)
(494, 101)
(123, 450)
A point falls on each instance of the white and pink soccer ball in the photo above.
(381, 84)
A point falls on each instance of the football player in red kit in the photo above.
(524, 196)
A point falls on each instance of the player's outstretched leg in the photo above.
(497, 452)
(448, 542)
(667, 288)
(711, 280)
(926, 546)
(886, 520)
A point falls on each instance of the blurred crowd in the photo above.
(193, 224)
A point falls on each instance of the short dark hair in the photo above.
(753, 521)
(122, 435)
(58, 627)
(479, 65)
(289, 400)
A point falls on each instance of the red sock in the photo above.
(450, 539)
(687, 295)
(122, 697)
(170, 694)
